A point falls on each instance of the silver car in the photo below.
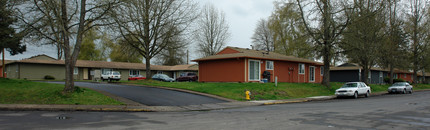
(400, 87)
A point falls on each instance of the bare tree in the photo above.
(289, 34)
(148, 25)
(415, 25)
(212, 31)
(263, 36)
(331, 18)
(64, 21)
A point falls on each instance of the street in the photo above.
(398, 111)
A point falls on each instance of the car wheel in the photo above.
(410, 92)
(355, 95)
(367, 94)
(404, 91)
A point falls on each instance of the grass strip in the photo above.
(13, 91)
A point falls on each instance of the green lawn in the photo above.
(259, 91)
(26, 92)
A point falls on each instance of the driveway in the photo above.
(150, 96)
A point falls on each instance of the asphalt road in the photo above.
(410, 111)
(150, 96)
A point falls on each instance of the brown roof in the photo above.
(5, 61)
(421, 74)
(249, 53)
(105, 64)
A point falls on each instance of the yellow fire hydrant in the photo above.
(247, 95)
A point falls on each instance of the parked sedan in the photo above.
(353, 89)
(162, 77)
(188, 77)
(136, 77)
(400, 87)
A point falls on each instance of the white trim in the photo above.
(259, 70)
(304, 68)
(273, 65)
(311, 75)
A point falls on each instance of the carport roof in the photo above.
(105, 64)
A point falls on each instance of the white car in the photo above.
(353, 89)
(400, 87)
(112, 75)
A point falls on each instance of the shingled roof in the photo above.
(257, 54)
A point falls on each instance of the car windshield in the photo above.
(399, 84)
(115, 73)
(349, 85)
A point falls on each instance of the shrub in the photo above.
(387, 80)
(49, 77)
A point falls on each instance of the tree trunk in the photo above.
(424, 76)
(365, 75)
(326, 44)
(391, 74)
(148, 68)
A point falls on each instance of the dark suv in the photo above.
(188, 77)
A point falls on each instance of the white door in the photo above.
(311, 74)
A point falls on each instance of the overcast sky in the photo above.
(242, 16)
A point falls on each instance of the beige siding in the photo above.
(39, 71)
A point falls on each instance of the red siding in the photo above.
(233, 70)
(407, 78)
(227, 51)
(227, 70)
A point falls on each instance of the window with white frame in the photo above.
(322, 70)
(75, 70)
(301, 68)
(395, 76)
(134, 72)
(269, 65)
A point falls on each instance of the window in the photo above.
(311, 74)
(322, 70)
(395, 76)
(404, 75)
(301, 68)
(134, 72)
(269, 65)
(106, 71)
(75, 70)
(381, 79)
(369, 75)
(159, 72)
(254, 70)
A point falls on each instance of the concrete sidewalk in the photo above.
(143, 108)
